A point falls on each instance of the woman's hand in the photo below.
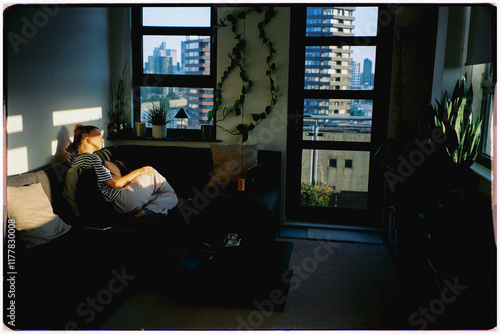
(146, 170)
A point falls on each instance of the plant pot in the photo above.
(208, 132)
(159, 131)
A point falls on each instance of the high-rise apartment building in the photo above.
(197, 62)
(328, 67)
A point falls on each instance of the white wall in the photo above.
(270, 133)
(58, 59)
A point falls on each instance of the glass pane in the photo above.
(341, 21)
(488, 105)
(339, 67)
(197, 102)
(183, 55)
(176, 16)
(334, 178)
(337, 120)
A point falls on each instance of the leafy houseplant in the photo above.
(158, 115)
(117, 105)
(455, 119)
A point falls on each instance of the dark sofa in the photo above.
(79, 278)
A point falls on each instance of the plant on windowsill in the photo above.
(236, 56)
(158, 116)
(117, 105)
(463, 135)
(455, 119)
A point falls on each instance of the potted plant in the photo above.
(158, 115)
(463, 134)
(117, 105)
(455, 118)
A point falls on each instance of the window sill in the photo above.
(163, 139)
(173, 135)
(481, 171)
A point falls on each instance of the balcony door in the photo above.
(340, 70)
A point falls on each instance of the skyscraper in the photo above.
(355, 75)
(367, 73)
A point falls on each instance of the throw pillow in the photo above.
(31, 210)
(117, 168)
(231, 162)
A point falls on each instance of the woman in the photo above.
(141, 192)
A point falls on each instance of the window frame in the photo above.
(487, 100)
(141, 79)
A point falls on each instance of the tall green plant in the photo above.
(118, 102)
(455, 118)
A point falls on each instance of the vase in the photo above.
(159, 131)
(140, 129)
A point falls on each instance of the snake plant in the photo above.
(455, 118)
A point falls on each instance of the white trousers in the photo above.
(146, 191)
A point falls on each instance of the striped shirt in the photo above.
(87, 161)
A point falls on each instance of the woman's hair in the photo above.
(79, 130)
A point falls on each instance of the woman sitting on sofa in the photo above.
(141, 192)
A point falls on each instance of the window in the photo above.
(487, 105)
(340, 89)
(173, 62)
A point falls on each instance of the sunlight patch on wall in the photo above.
(74, 116)
(14, 124)
(17, 160)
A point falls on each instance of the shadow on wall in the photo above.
(63, 141)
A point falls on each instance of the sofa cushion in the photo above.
(117, 168)
(30, 208)
(231, 162)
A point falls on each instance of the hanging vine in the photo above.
(236, 62)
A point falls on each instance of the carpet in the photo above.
(334, 286)
(234, 277)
